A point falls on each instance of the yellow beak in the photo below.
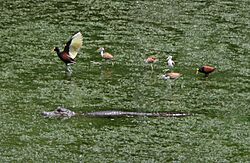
(52, 50)
(197, 71)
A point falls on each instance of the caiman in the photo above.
(66, 113)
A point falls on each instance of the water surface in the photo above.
(195, 33)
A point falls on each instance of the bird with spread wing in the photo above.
(70, 51)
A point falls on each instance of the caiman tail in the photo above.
(113, 114)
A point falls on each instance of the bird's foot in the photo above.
(152, 67)
(68, 69)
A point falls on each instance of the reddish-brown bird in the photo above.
(70, 51)
(206, 70)
(171, 75)
(151, 60)
(105, 55)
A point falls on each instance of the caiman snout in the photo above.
(59, 112)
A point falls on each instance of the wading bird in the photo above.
(151, 60)
(171, 75)
(205, 69)
(170, 62)
(70, 51)
(105, 55)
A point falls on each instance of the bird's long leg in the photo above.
(171, 69)
(152, 67)
(68, 69)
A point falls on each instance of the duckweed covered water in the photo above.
(195, 33)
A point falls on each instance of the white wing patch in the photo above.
(75, 45)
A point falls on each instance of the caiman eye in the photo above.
(59, 109)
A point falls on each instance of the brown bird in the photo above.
(171, 75)
(206, 70)
(70, 51)
(151, 60)
(105, 55)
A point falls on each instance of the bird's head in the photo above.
(56, 49)
(170, 57)
(100, 49)
(165, 77)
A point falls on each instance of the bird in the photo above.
(170, 62)
(70, 51)
(205, 69)
(105, 55)
(151, 60)
(171, 75)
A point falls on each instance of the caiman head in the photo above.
(59, 112)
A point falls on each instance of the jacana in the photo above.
(171, 75)
(206, 70)
(151, 60)
(70, 51)
(170, 62)
(105, 55)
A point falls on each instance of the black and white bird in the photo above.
(170, 62)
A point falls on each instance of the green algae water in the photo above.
(195, 33)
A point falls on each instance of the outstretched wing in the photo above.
(73, 45)
(173, 62)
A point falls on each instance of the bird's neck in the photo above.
(57, 50)
(102, 53)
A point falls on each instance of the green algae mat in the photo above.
(195, 33)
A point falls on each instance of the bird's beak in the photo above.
(52, 50)
(197, 71)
